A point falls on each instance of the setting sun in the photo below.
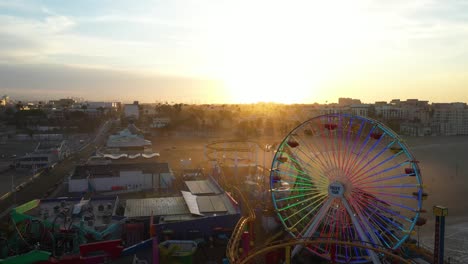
(274, 55)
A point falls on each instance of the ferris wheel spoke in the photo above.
(378, 214)
(294, 174)
(387, 209)
(389, 223)
(316, 194)
(313, 179)
(309, 186)
(389, 178)
(380, 220)
(390, 186)
(325, 150)
(312, 208)
(363, 175)
(295, 204)
(393, 213)
(339, 133)
(296, 159)
(292, 155)
(305, 170)
(345, 141)
(294, 189)
(350, 155)
(358, 157)
(333, 149)
(386, 148)
(348, 145)
(316, 159)
(391, 195)
(295, 167)
(371, 149)
(297, 187)
(412, 210)
(339, 141)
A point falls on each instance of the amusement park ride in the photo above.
(347, 189)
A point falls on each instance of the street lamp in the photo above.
(267, 148)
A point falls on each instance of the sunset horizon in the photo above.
(234, 52)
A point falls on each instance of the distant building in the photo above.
(388, 112)
(62, 103)
(360, 109)
(45, 155)
(415, 129)
(334, 109)
(348, 101)
(122, 176)
(449, 119)
(132, 111)
(129, 139)
(104, 105)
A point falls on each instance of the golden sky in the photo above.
(235, 51)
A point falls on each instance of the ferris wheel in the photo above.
(346, 178)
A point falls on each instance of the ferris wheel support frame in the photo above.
(336, 190)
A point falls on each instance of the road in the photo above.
(45, 184)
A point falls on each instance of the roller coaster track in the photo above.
(232, 248)
(307, 241)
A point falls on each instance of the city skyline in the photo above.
(234, 52)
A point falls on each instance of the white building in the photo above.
(132, 111)
(360, 109)
(122, 176)
(45, 155)
(388, 112)
(129, 139)
(105, 105)
(334, 109)
(450, 119)
(415, 129)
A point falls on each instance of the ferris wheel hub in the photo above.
(336, 189)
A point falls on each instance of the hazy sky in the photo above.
(235, 51)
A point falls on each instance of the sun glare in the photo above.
(276, 54)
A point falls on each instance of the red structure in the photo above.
(92, 253)
(331, 126)
(100, 252)
(293, 143)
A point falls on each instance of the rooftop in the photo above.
(114, 169)
(212, 202)
(156, 206)
(202, 187)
